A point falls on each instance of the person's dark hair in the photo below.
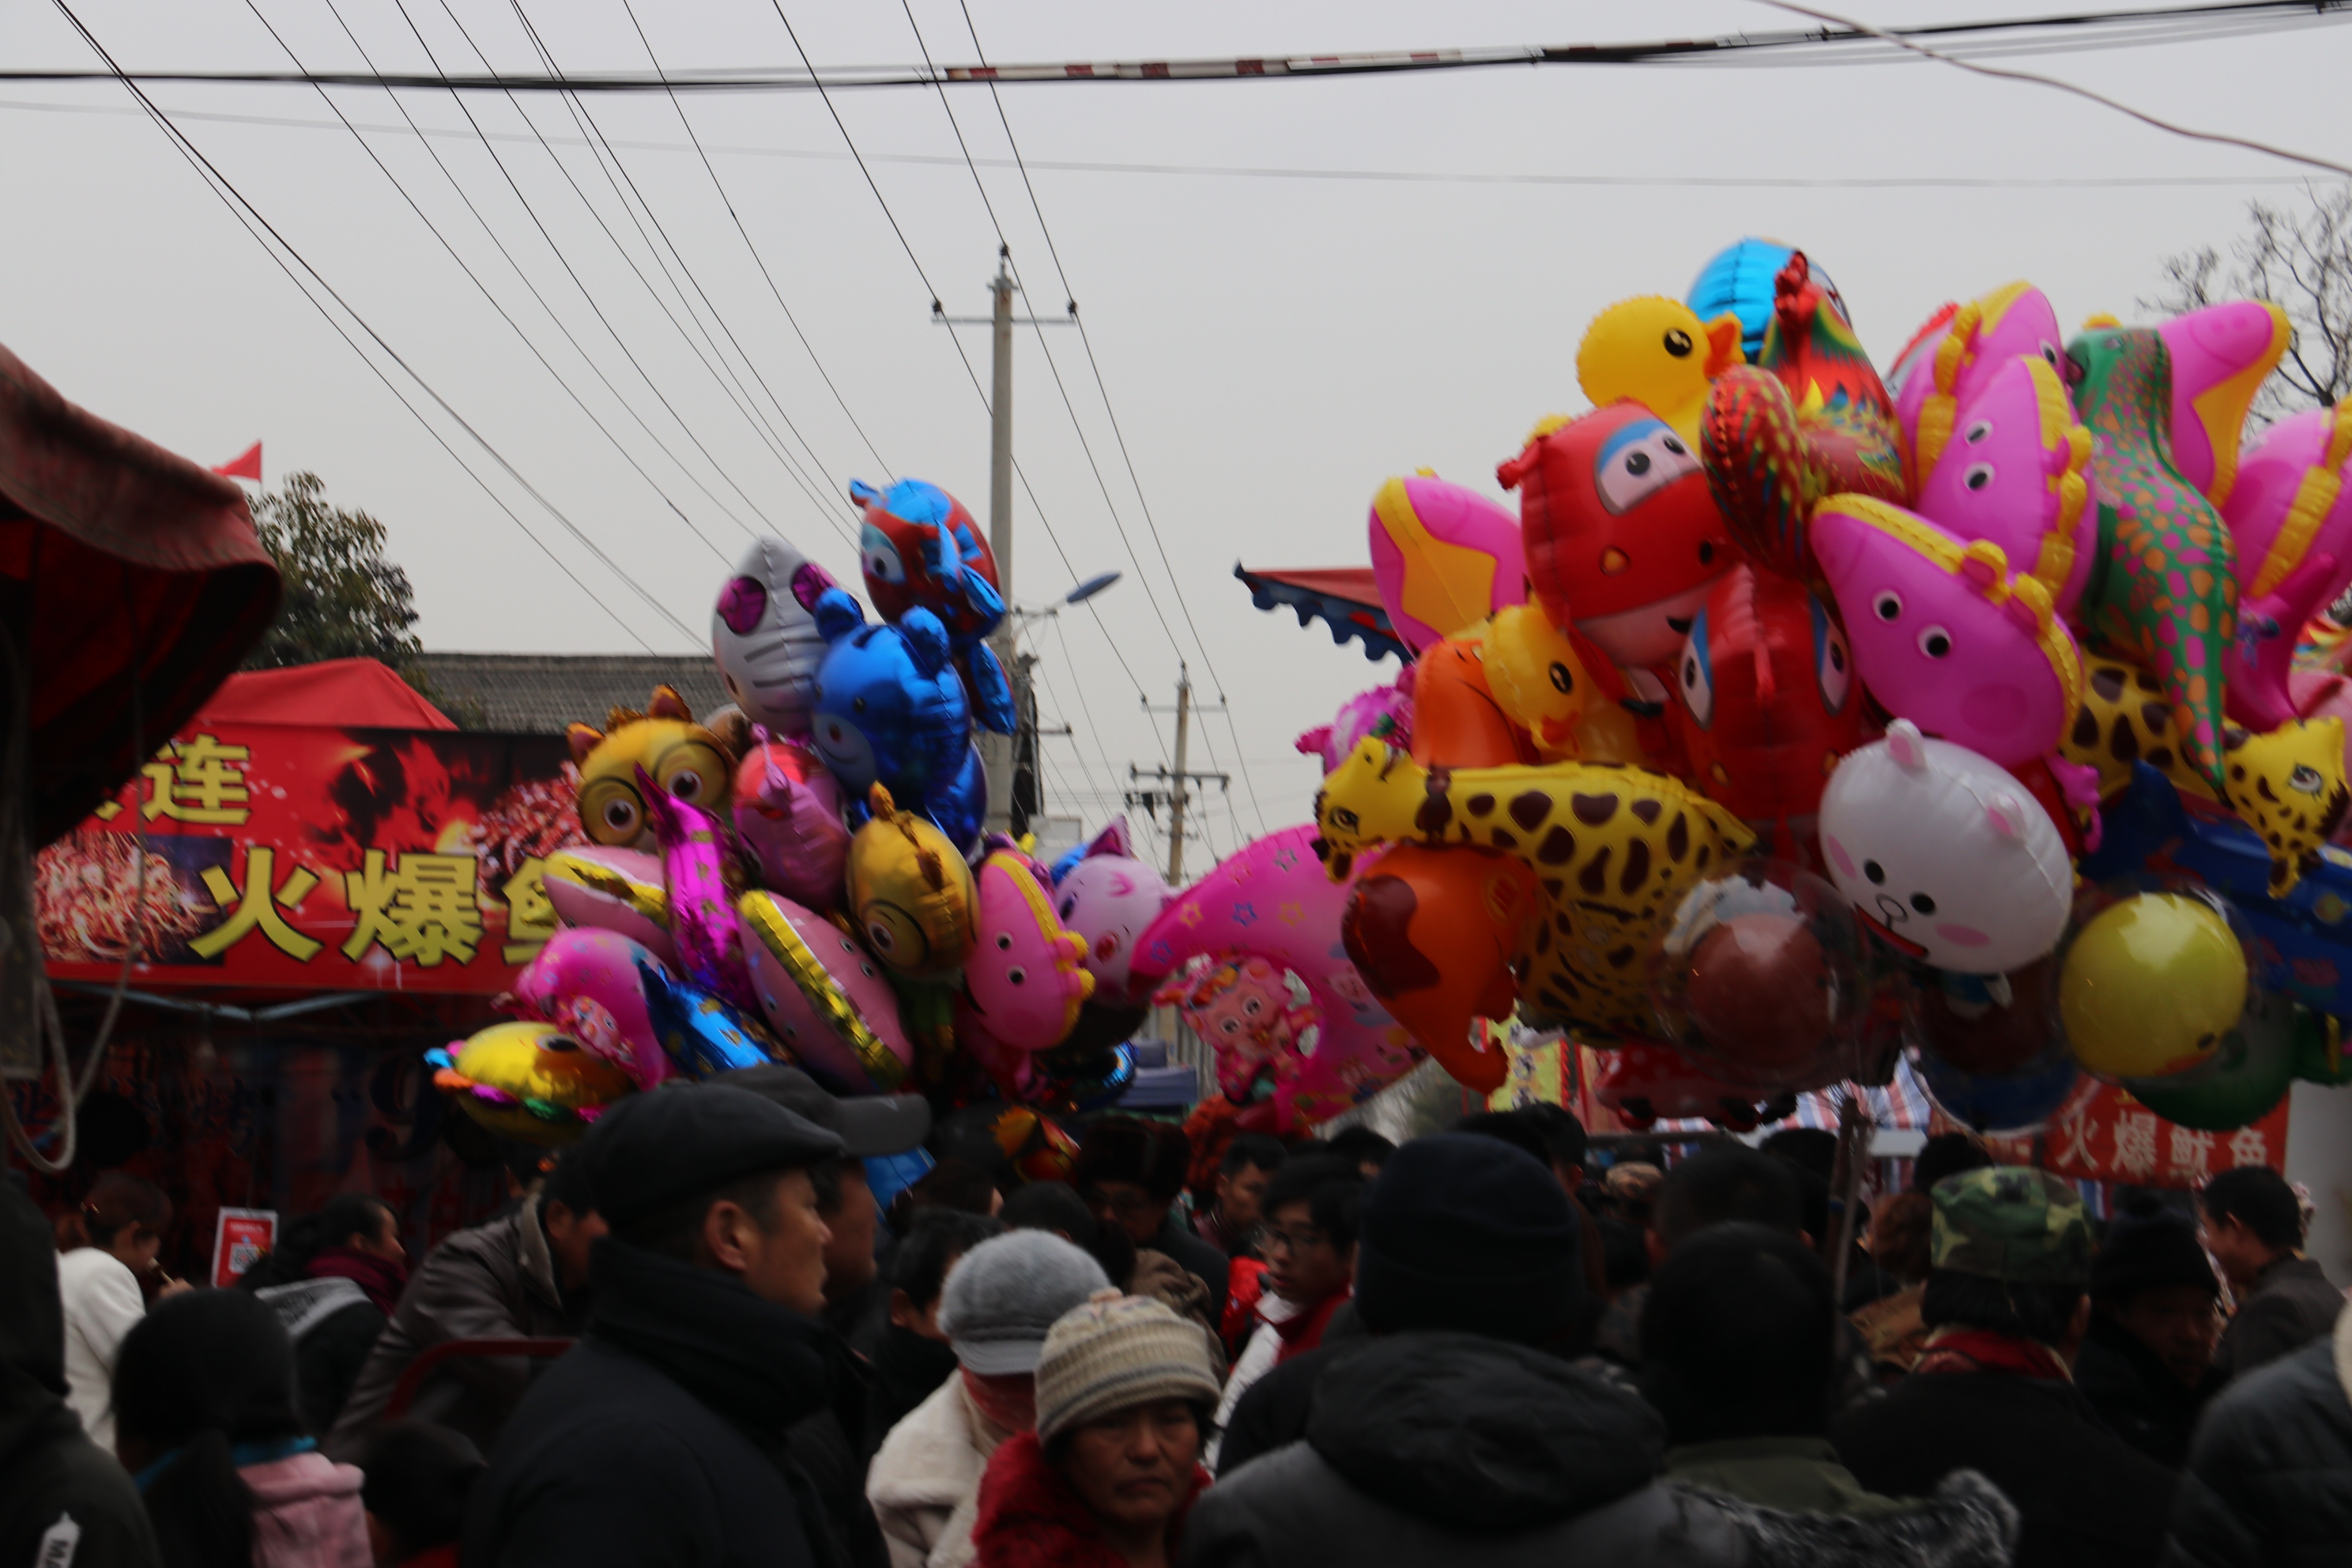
(2043, 1312)
(419, 1476)
(567, 1184)
(199, 1374)
(1717, 1187)
(345, 1216)
(1057, 1206)
(118, 1199)
(1738, 1337)
(1945, 1154)
(525, 1162)
(825, 1176)
(1360, 1145)
(1332, 1189)
(940, 1236)
(1625, 1255)
(952, 1184)
(1810, 1149)
(1563, 1133)
(2260, 1199)
(677, 1231)
(1252, 1151)
(1151, 1155)
(1900, 1241)
(1516, 1128)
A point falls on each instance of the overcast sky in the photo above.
(1272, 346)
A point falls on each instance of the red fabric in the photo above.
(380, 1277)
(1305, 1331)
(1029, 1517)
(245, 465)
(334, 694)
(1979, 1349)
(1245, 1282)
(438, 1557)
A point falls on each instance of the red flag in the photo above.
(246, 465)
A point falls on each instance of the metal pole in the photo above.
(996, 751)
(1176, 796)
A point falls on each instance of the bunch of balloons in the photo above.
(1802, 717)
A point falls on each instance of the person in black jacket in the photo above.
(63, 1498)
(2146, 1366)
(915, 1356)
(1130, 1171)
(2253, 1227)
(2269, 1483)
(665, 1438)
(2005, 1306)
(335, 1278)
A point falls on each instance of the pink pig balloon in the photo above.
(823, 995)
(1024, 982)
(694, 853)
(2290, 517)
(1384, 713)
(1937, 377)
(586, 983)
(788, 815)
(597, 887)
(2017, 472)
(1271, 899)
(1107, 898)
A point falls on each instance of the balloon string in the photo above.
(2005, 74)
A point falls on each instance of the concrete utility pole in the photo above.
(1179, 778)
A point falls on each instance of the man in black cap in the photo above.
(2146, 1365)
(666, 1437)
(833, 1445)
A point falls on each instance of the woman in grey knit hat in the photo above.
(1124, 1390)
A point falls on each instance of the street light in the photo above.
(1089, 588)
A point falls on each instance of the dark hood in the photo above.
(1482, 1436)
(32, 1322)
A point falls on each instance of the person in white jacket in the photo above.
(1000, 1300)
(107, 1244)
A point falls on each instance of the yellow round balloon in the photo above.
(2151, 986)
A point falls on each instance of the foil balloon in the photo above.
(1946, 854)
(1555, 684)
(1456, 720)
(920, 549)
(1261, 1020)
(695, 765)
(910, 892)
(1952, 359)
(2013, 1103)
(1024, 981)
(2017, 472)
(764, 637)
(696, 860)
(1272, 899)
(822, 996)
(2249, 1074)
(528, 1080)
(1107, 898)
(1434, 933)
(1763, 980)
(621, 891)
(2151, 981)
(2220, 355)
(1766, 703)
(1740, 278)
(788, 818)
(1657, 352)
(1385, 712)
(890, 710)
(587, 983)
(2291, 529)
(2168, 596)
(1989, 1026)
(1643, 1083)
(1623, 540)
(1444, 557)
(704, 1034)
(1945, 635)
(1613, 847)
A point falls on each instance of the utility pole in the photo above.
(1177, 778)
(996, 752)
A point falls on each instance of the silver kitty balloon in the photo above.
(763, 635)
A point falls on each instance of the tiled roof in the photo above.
(534, 693)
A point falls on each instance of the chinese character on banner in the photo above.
(200, 781)
(2075, 1151)
(2192, 1155)
(530, 917)
(2249, 1146)
(258, 907)
(421, 907)
(2134, 1144)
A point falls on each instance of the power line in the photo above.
(243, 208)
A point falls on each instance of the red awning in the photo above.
(340, 694)
(116, 557)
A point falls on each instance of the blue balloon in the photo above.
(890, 1174)
(890, 709)
(703, 1036)
(991, 694)
(1740, 280)
(2017, 1103)
(960, 808)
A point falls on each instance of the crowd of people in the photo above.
(1486, 1345)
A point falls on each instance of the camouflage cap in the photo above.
(2013, 1224)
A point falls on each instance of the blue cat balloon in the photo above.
(890, 710)
(703, 1036)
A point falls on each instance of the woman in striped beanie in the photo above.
(1124, 1391)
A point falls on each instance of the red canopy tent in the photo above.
(355, 692)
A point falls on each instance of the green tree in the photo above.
(2297, 256)
(343, 598)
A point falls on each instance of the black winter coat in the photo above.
(2269, 1483)
(665, 1439)
(2088, 1499)
(2135, 1394)
(334, 1328)
(2291, 1305)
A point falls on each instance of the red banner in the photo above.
(291, 857)
(2106, 1135)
